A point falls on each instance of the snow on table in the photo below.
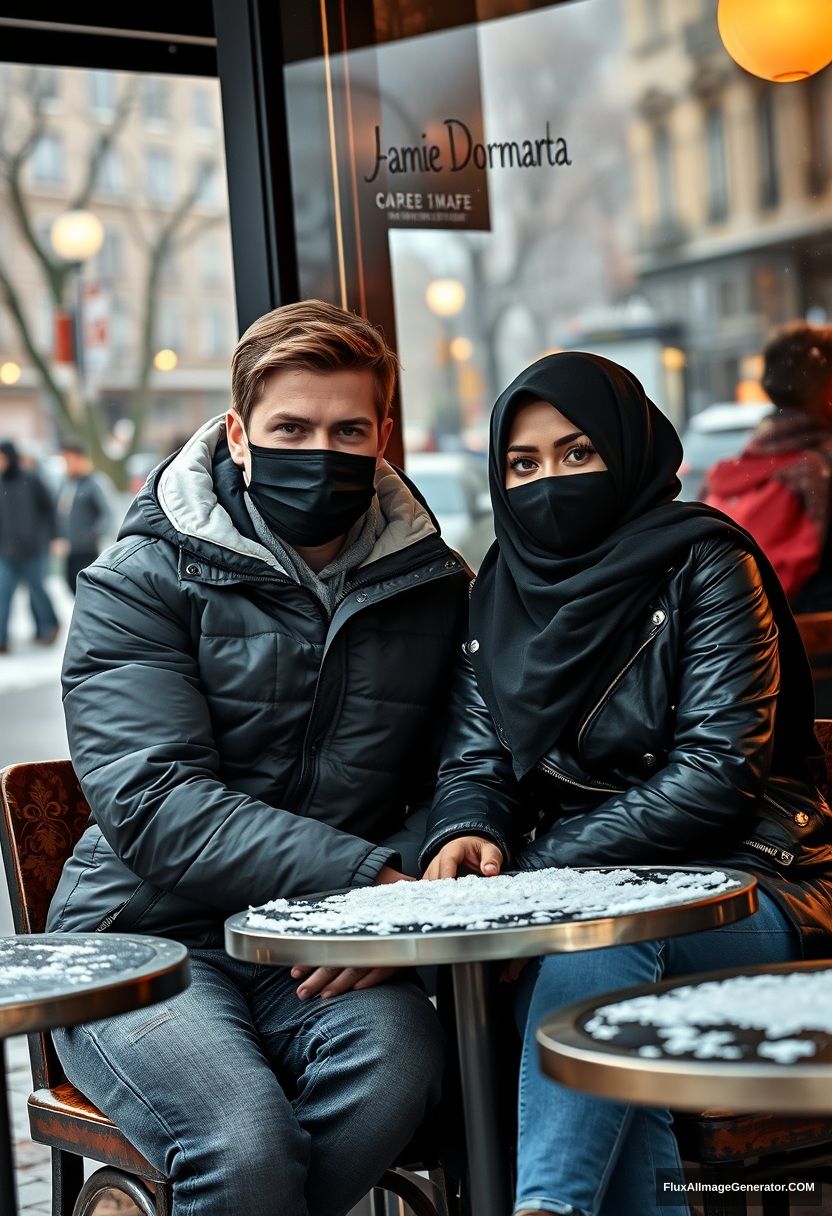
(471, 903)
(742, 1017)
(30, 969)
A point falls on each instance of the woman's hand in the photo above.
(466, 854)
(332, 981)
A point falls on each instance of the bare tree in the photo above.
(76, 413)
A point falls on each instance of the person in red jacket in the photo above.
(778, 488)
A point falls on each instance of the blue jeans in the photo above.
(254, 1102)
(597, 1156)
(32, 571)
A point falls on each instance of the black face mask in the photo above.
(309, 497)
(566, 514)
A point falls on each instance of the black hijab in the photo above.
(546, 622)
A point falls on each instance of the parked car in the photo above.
(716, 433)
(455, 485)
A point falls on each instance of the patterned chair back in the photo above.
(43, 815)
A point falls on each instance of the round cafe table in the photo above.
(639, 1064)
(467, 951)
(62, 979)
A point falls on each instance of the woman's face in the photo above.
(542, 443)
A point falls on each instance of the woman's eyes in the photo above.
(582, 452)
(522, 464)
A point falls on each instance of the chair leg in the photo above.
(408, 1191)
(725, 1204)
(164, 1199)
(67, 1180)
(107, 1179)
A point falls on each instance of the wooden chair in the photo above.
(816, 632)
(43, 815)
(759, 1147)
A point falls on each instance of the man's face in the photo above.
(71, 462)
(319, 410)
(4, 463)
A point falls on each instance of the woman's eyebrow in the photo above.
(569, 438)
(518, 447)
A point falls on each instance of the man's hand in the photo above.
(466, 854)
(388, 874)
(332, 981)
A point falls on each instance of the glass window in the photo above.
(208, 194)
(203, 101)
(48, 160)
(717, 165)
(213, 332)
(102, 90)
(159, 176)
(213, 266)
(663, 150)
(110, 176)
(156, 100)
(170, 325)
(111, 255)
(819, 130)
(769, 185)
(46, 88)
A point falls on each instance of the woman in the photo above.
(27, 525)
(646, 680)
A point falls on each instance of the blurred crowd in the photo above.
(40, 528)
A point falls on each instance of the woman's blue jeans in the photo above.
(590, 1154)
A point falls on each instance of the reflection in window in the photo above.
(102, 90)
(663, 150)
(110, 259)
(170, 326)
(212, 266)
(208, 193)
(110, 176)
(48, 160)
(156, 100)
(717, 165)
(203, 110)
(213, 330)
(819, 130)
(159, 176)
(767, 151)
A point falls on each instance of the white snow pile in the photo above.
(703, 1020)
(29, 969)
(510, 900)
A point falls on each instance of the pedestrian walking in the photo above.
(27, 526)
(84, 513)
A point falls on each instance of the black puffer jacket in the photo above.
(677, 757)
(27, 516)
(233, 743)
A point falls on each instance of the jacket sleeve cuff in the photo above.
(460, 827)
(373, 864)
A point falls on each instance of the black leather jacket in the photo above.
(677, 757)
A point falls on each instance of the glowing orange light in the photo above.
(779, 40)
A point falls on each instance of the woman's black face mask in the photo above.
(309, 497)
(566, 515)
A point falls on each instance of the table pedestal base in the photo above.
(488, 1170)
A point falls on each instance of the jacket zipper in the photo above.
(608, 691)
(599, 787)
(310, 751)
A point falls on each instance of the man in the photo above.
(83, 512)
(27, 525)
(253, 682)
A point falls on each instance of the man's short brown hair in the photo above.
(314, 336)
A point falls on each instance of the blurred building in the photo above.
(732, 191)
(169, 147)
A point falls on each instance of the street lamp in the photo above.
(446, 299)
(76, 236)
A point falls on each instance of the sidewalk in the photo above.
(28, 665)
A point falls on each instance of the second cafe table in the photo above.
(467, 951)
